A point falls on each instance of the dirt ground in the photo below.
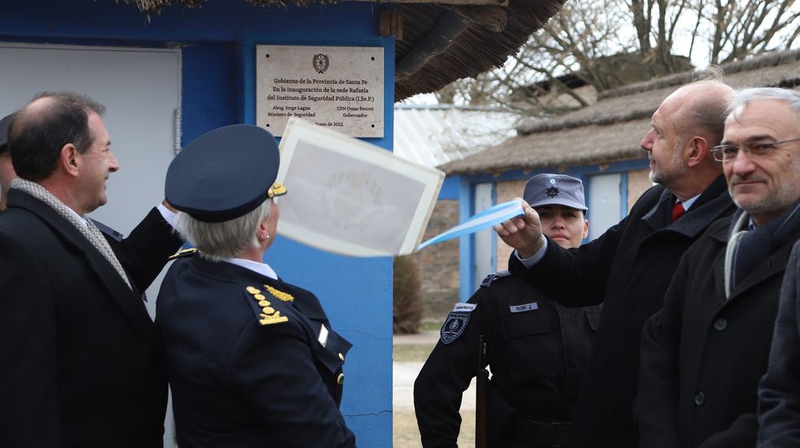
(409, 352)
(406, 435)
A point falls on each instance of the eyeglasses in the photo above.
(761, 148)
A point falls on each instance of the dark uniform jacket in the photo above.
(702, 355)
(82, 363)
(779, 389)
(252, 361)
(536, 349)
(628, 268)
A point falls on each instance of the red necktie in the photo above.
(677, 211)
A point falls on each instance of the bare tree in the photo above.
(608, 43)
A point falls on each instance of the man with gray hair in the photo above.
(704, 352)
(252, 360)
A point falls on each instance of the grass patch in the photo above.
(411, 352)
(430, 325)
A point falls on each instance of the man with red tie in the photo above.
(704, 353)
(629, 267)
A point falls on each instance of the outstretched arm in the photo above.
(523, 233)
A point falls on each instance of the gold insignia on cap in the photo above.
(183, 253)
(284, 296)
(268, 314)
(277, 189)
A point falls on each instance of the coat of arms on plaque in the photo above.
(321, 63)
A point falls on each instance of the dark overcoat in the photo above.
(82, 361)
(703, 355)
(537, 351)
(628, 268)
(779, 389)
(252, 361)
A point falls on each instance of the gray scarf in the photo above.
(749, 247)
(88, 229)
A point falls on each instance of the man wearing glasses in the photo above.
(705, 351)
(629, 267)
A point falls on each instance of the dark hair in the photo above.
(40, 130)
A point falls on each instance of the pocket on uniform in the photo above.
(532, 344)
(539, 321)
(333, 353)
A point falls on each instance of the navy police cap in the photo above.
(224, 173)
(554, 189)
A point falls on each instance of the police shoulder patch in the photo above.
(455, 324)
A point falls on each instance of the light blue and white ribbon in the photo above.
(485, 219)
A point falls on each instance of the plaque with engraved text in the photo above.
(340, 88)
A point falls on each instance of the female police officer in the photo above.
(536, 347)
(252, 360)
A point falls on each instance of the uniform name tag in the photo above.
(464, 307)
(323, 336)
(522, 308)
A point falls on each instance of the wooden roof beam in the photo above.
(436, 42)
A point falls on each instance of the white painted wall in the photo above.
(605, 193)
(484, 253)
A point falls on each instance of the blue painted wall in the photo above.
(218, 42)
(451, 188)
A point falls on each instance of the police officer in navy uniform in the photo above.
(535, 347)
(252, 360)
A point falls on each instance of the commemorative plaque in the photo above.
(340, 88)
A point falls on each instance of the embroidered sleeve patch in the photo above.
(464, 307)
(454, 326)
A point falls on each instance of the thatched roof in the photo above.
(440, 42)
(475, 50)
(611, 129)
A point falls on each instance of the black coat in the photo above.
(628, 268)
(245, 374)
(779, 389)
(536, 349)
(702, 355)
(82, 361)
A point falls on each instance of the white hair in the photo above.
(226, 239)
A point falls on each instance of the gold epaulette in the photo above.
(269, 315)
(183, 253)
(283, 296)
